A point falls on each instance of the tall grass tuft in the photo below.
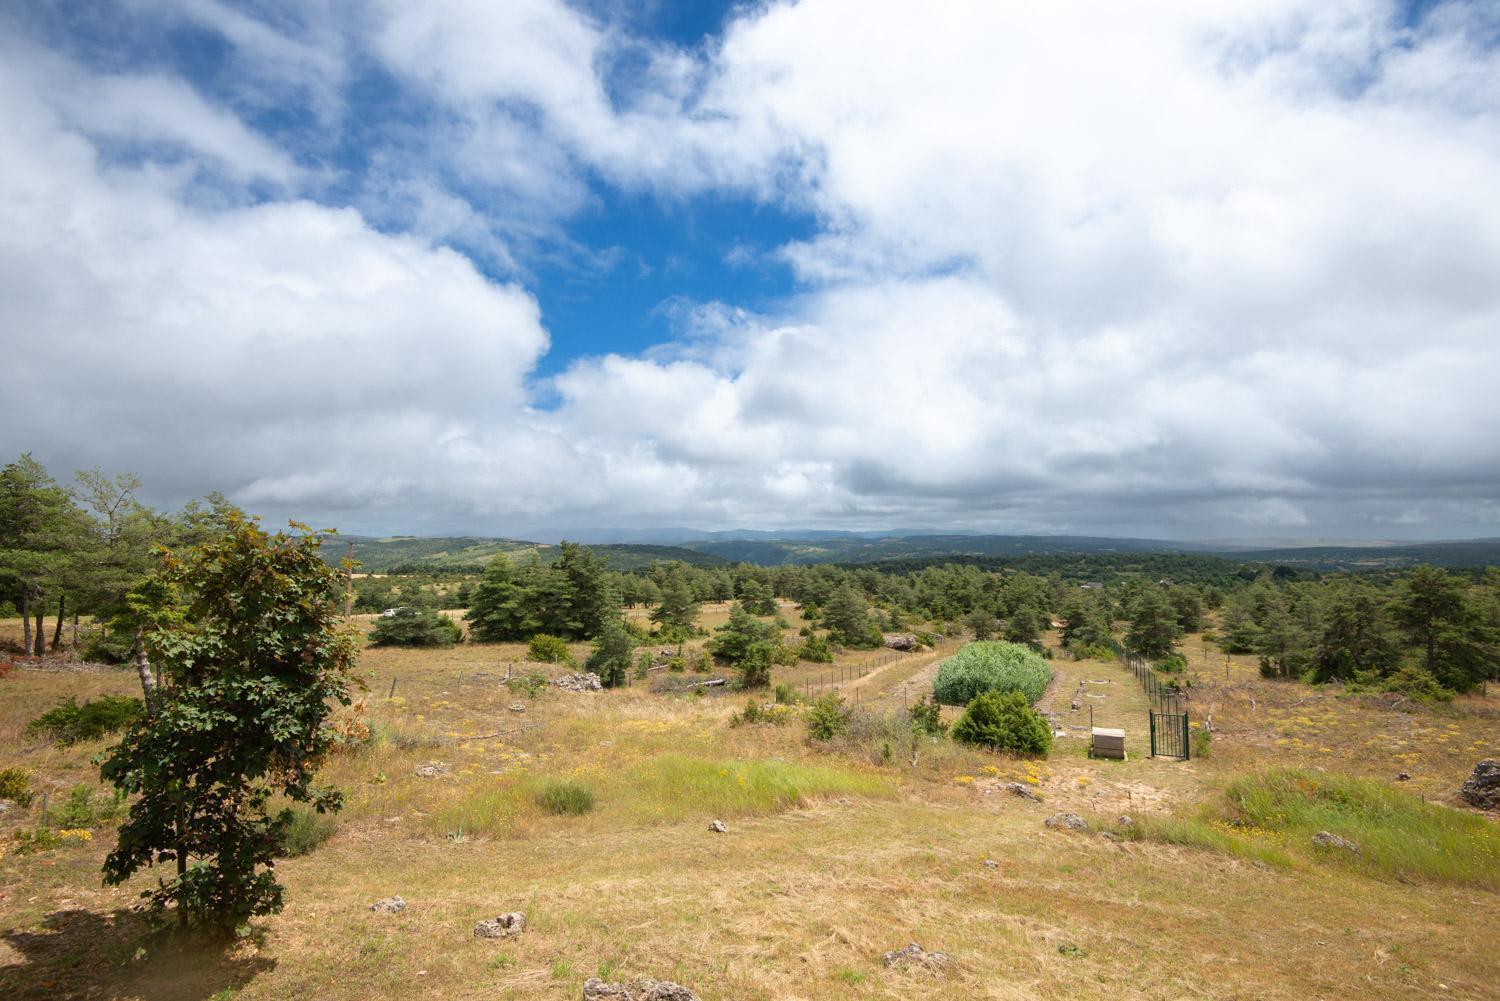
(565, 799)
(306, 830)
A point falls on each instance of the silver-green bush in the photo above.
(991, 667)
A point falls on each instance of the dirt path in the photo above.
(903, 681)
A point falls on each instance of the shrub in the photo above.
(991, 667)
(68, 722)
(1091, 651)
(305, 830)
(786, 694)
(105, 646)
(1416, 683)
(15, 785)
(85, 808)
(828, 717)
(528, 684)
(816, 648)
(762, 712)
(415, 626)
(565, 798)
(927, 718)
(1172, 663)
(548, 649)
(1004, 721)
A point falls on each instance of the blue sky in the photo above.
(1198, 270)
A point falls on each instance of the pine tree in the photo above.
(847, 619)
(496, 610)
(1153, 625)
(678, 612)
(611, 658)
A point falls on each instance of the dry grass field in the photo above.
(832, 855)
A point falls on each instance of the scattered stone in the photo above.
(990, 863)
(1326, 839)
(504, 926)
(1126, 820)
(1109, 836)
(644, 989)
(901, 641)
(1071, 821)
(1403, 776)
(718, 827)
(1072, 951)
(433, 769)
(1482, 789)
(1023, 790)
(587, 681)
(390, 905)
(516, 707)
(916, 956)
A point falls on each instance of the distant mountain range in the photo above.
(634, 549)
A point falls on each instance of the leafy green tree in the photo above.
(1153, 625)
(678, 612)
(613, 650)
(847, 618)
(248, 638)
(1004, 721)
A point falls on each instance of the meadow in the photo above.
(833, 854)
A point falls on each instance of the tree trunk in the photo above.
(143, 668)
(57, 633)
(41, 634)
(25, 619)
(182, 915)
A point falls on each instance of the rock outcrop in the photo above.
(644, 989)
(502, 926)
(1482, 789)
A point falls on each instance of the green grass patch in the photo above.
(1271, 817)
(674, 787)
(667, 788)
(1399, 835)
(564, 799)
(306, 830)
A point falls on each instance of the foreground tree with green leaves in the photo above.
(246, 632)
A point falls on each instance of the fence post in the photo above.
(392, 695)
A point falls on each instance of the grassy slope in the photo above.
(831, 858)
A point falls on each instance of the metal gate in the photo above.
(1169, 735)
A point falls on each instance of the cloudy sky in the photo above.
(1192, 268)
